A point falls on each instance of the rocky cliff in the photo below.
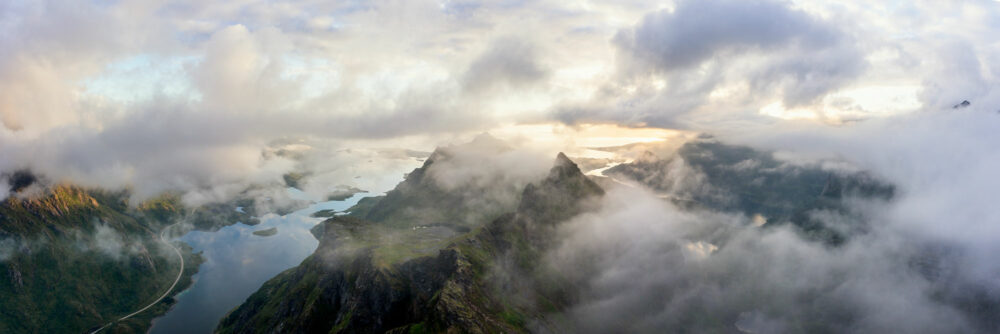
(341, 288)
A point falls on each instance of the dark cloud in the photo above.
(673, 61)
(809, 75)
(697, 31)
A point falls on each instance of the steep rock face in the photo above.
(339, 290)
(347, 293)
(556, 198)
(456, 191)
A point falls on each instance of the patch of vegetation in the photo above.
(364, 206)
(213, 216)
(514, 318)
(325, 213)
(267, 232)
(343, 193)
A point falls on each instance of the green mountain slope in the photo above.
(76, 259)
(344, 288)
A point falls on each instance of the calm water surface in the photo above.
(237, 263)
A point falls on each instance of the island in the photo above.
(266, 233)
(343, 192)
(325, 213)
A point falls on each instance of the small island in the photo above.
(325, 213)
(342, 193)
(266, 233)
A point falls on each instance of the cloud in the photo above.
(241, 71)
(509, 62)
(487, 162)
(191, 93)
(8, 248)
(696, 31)
(647, 266)
(107, 241)
(4, 189)
(231, 78)
(711, 65)
(709, 61)
(942, 162)
(48, 45)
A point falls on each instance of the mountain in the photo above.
(423, 198)
(384, 269)
(344, 287)
(429, 207)
(715, 176)
(76, 259)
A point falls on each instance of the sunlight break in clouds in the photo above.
(226, 78)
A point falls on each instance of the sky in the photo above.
(161, 95)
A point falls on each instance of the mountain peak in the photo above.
(556, 198)
(485, 136)
(647, 157)
(483, 142)
(563, 160)
(563, 168)
(487, 141)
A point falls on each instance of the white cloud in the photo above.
(191, 91)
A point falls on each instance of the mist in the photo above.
(923, 265)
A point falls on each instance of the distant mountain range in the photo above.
(459, 279)
(426, 257)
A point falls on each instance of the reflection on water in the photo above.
(237, 263)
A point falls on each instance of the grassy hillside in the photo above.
(76, 258)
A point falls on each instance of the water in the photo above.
(237, 263)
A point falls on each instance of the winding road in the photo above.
(180, 273)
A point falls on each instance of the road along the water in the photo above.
(180, 273)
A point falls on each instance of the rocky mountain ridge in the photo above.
(454, 291)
